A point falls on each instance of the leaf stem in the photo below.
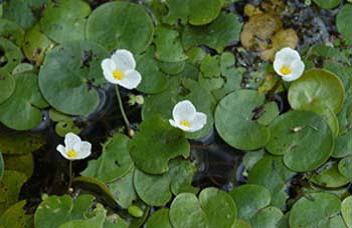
(70, 175)
(123, 113)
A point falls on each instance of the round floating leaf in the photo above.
(342, 19)
(20, 12)
(292, 135)
(153, 79)
(315, 210)
(23, 107)
(63, 209)
(114, 162)
(21, 163)
(7, 85)
(10, 187)
(65, 20)
(94, 218)
(168, 45)
(167, 143)
(249, 199)
(159, 219)
(16, 216)
(15, 143)
(266, 218)
(224, 31)
(154, 190)
(219, 207)
(345, 167)
(235, 120)
(343, 145)
(69, 77)
(210, 66)
(346, 210)
(329, 177)
(36, 44)
(123, 190)
(271, 173)
(316, 90)
(181, 174)
(11, 31)
(186, 212)
(127, 18)
(12, 55)
(327, 4)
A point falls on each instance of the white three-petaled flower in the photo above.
(187, 118)
(288, 64)
(120, 69)
(75, 148)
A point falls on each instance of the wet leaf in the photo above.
(292, 135)
(114, 162)
(315, 210)
(128, 18)
(168, 143)
(65, 20)
(24, 105)
(240, 129)
(73, 70)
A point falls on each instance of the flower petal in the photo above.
(84, 149)
(131, 79)
(124, 60)
(108, 67)
(198, 122)
(61, 149)
(70, 140)
(173, 123)
(298, 69)
(285, 57)
(183, 110)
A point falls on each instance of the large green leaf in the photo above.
(327, 4)
(155, 144)
(121, 25)
(114, 162)
(65, 20)
(69, 77)
(346, 210)
(23, 107)
(342, 22)
(292, 135)
(236, 123)
(315, 210)
(7, 85)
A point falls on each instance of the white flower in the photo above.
(288, 64)
(120, 69)
(187, 118)
(75, 148)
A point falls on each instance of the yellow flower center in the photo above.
(118, 74)
(285, 70)
(185, 123)
(71, 154)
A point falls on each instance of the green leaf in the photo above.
(327, 4)
(343, 145)
(167, 143)
(11, 31)
(69, 71)
(329, 177)
(114, 162)
(219, 207)
(2, 166)
(313, 92)
(186, 212)
(160, 218)
(346, 210)
(21, 163)
(128, 18)
(10, 187)
(266, 218)
(15, 143)
(292, 135)
(19, 11)
(12, 55)
(342, 24)
(154, 190)
(23, 108)
(16, 216)
(249, 199)
(222, 32)
(345, 167)
(63, 209)
(65, 20)
(7, 85)
(153, 79)
(168, 45)
(240, 129)
(210, 66)
(315, 210)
